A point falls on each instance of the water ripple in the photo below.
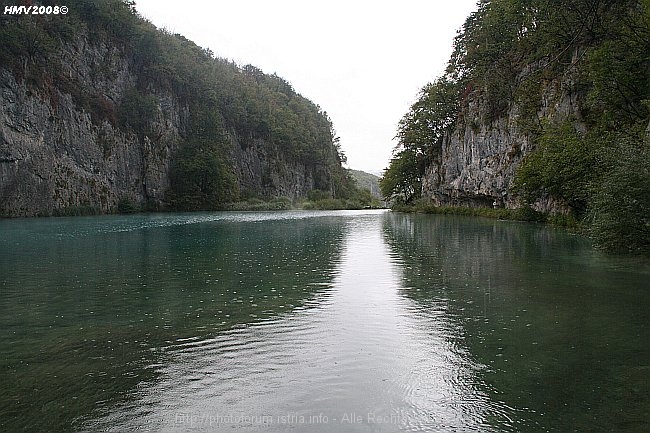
(360, 349)
(318, 322)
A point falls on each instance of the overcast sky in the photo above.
(362, 61)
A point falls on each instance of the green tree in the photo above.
(620, 212)
(420, 137)
(422, 128)
(562, 166)
(401, 180)
(200, 176)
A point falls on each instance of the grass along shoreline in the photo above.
(519, 214)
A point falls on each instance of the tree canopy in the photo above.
(505, 54)
(239, 100)
(420, 134)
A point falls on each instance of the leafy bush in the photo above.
(200, 176)
(423, 205)
(328, 204)
(81, 210)
(126, 206)
(136, 111)
(562, 166)
(317, 194)
(620, 212)
(255, 204)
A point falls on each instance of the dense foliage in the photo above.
(402, 180)
(200, 176)
(223, 98)
(367, 181)
(508, 53)
(420, 134)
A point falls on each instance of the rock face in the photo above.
(479, 158)
(60, 153)
(263, 170)
(54, 156)
(477, 164)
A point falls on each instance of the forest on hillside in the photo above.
(224, 99)
(596, 163)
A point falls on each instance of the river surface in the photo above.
(345, 321)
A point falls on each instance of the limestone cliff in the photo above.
(479, 158)
(539, 106)
(93, 119)
(54, 155)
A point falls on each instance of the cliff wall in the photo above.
(479, 157)
(67, 146)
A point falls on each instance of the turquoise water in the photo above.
(318, 321)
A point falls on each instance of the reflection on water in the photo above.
(89, 304)
(358, 357)
(317, 321)
(561, 328)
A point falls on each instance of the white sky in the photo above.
(362, 61)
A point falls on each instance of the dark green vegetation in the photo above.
(524, 213)
(512, 53)
(361, 199)
(357, 198)
(223, 101)
(367, 181)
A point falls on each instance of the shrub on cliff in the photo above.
(200, 176)
(620, 212)
(524, 59)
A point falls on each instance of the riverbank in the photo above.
(283, 203)
(527, 214)
(519, 214)
(252, 204)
